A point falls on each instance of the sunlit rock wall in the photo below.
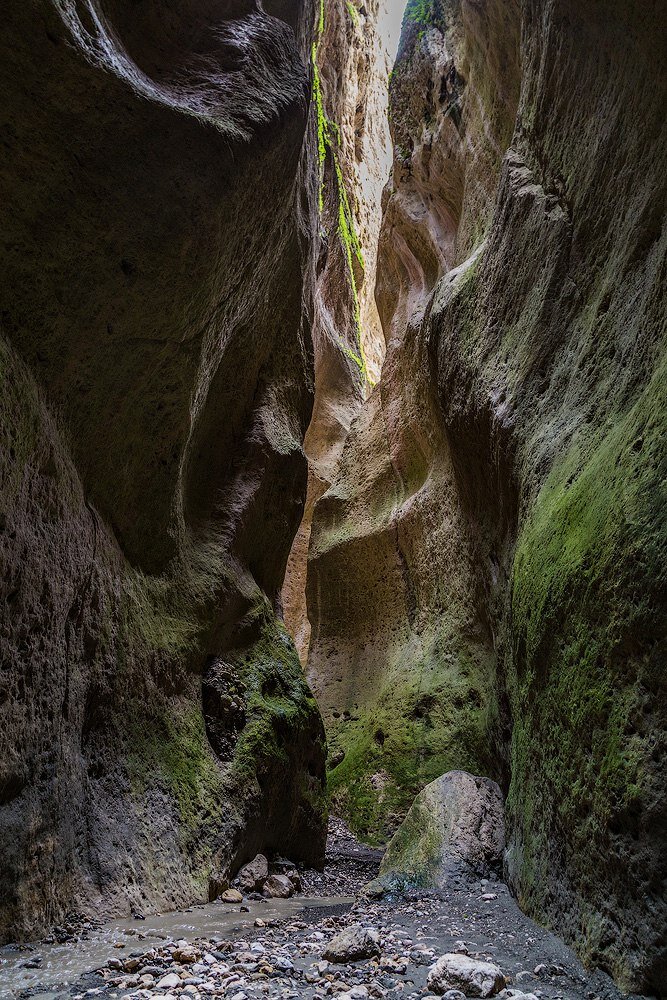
(351, 58)
(487, 577)
(402, 655)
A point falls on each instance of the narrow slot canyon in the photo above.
(333, 500)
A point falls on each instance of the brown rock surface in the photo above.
(401, 653)
(155, 362)
(352, 56)
(487, 577)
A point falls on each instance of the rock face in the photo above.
(156, 377)
(402, 653)
(487, 577)
(454, 829)
(351, 56)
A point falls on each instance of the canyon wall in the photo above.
(157, 278)
(351, 64)
(486, 585)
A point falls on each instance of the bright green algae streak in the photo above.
(327, 137)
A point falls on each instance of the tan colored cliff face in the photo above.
(353, 69)
(402, 652)
(486, 581)
(156, 386)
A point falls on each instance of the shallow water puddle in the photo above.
(63, 964)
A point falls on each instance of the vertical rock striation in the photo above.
(487, 577)
(402, 656)
(351, 66)
(156, 371)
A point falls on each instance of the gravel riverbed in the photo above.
(275, 948)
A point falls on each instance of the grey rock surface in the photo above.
(353, 944)
(474, 978)
(454, 828)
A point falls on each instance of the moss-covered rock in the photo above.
(454, 830)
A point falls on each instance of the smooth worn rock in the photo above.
(169, 981)
(232, 896)
(454, 828)
(353, 944)
(472, 977)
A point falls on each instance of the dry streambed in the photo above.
(471, 940)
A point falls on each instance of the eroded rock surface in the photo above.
(487, 575)
(155, 369)
(454, 829)
(402, 653)
(351, 59)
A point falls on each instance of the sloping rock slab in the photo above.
(454, 829)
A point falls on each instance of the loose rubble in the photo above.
(421, 946)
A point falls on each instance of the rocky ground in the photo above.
(301, 955)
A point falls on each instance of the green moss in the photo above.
(155, 618)
(322, 124)
(434, 720)
(169, 745)
(416, 848)
(354, 13)
(328, 136)
(422, 12)
(278, 698)
(589, 578)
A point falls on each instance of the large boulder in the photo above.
(474, 978)
(454, 829)
(353, 944)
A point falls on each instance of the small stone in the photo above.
(231, 896)
(186, 955)
(169, 981)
